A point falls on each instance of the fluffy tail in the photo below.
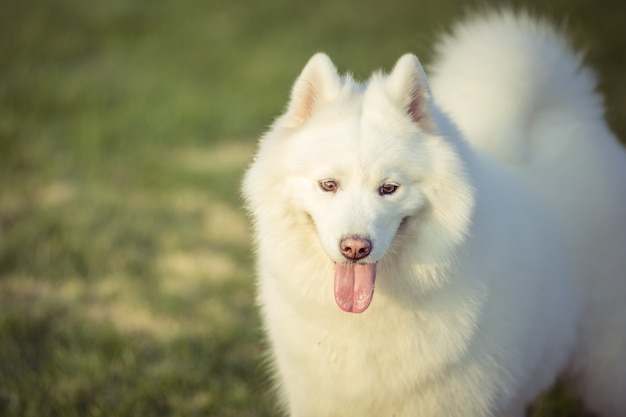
(500, 74)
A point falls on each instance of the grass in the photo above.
(125, 268)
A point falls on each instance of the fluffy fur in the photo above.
(493, 206)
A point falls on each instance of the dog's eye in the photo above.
(387, 189)
(329, 185)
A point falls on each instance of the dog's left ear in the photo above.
(407, 85)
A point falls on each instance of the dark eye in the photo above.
(387, 189)
(329, 185)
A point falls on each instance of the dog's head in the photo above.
(361, 160)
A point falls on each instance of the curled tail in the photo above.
(500, 74)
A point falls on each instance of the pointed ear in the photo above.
(408, 86)
(318, 82)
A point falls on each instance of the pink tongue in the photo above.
(354, 286)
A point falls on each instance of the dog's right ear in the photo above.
(318, 82)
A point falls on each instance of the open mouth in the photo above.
(354, 286)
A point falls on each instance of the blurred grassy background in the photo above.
(126, 282)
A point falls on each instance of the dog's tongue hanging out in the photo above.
(354, 286)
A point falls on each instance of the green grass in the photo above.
(126, 282)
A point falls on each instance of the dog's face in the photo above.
(356, 181)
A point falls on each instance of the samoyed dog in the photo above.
(446, 247)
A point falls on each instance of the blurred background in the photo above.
(126, 280)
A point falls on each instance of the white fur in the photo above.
(500, 256)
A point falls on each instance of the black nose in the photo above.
(355, 248)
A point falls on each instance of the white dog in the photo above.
(478, 227)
